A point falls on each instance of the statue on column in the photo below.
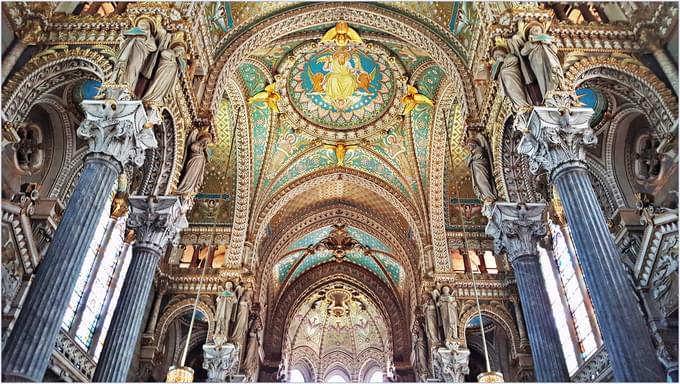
(507, 71)
(172, 62)
(542, 53)
(197, 157)
(479, 163)
(139, 43)
(448, 313)
(420, 351)
(241, 318)
(431, 323)
(225, 306)
(252, 357)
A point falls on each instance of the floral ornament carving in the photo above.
(116, 127)
(516, 228)
(555, 136)
(156, 220)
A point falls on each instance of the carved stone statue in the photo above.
(420, 349)
(542, 53)
(138, 45)
(172, 62)
(448, 313)
(251, 359)
(197, 157)
(431, 324)
(479, 163)
(225, 306)
(241, 318)
(507, 71)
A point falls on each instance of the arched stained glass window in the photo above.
(569, 300)
(86, 270)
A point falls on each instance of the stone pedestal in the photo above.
(517, 228)
(115, 134)
(155, 220)
(554, 139)
(221, 362)
(450, 364)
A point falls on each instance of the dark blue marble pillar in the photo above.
(28, 348)
(156, 221)
(555, 138)
(517, 228)
(623, 328)
(116, 357)
(114, 131)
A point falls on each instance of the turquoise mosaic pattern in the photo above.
(287, 144)
(311, 238)
(366, 162)
(420, 121)
(367, 240)
(312, 261)
(367, 262)
(286, 264)
(316, 159)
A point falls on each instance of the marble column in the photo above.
(156, 221)
(554, 139)
(517, 228)
(114, 131)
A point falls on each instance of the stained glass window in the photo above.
(568, 299)
(86, 270)
(101, 284)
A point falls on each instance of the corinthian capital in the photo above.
(556, 137)
(517, 227)
(156, 220)
(116, 127)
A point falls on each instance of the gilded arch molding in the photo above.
(371, 285)
(329, 216)
(45, 72)
(638, 78)
(305, 183)
(369, 15)
(177, 309)
(497, 314)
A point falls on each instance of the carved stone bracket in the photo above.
(517, 227)
(116, 126)
(156, 220)
(555, 136)
(450, 365)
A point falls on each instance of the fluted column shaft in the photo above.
(156, 220)
(28, 349)
(517, 228)
(546, 348)
(555, 138)
(126, 323)
(624, 330)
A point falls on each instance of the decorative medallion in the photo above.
(341, 89)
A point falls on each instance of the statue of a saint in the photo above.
(197, 157)
(420, 349)
(251, 359)
(506, 70)
(542, 53)
(172, 62)
(225, 306)
(241, 317)
(448, 312)
(479, 163)
(138, 45)
(431, 324)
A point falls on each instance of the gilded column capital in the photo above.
(555, 138)
(156, 219)
(116, 126)
(517, 228)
